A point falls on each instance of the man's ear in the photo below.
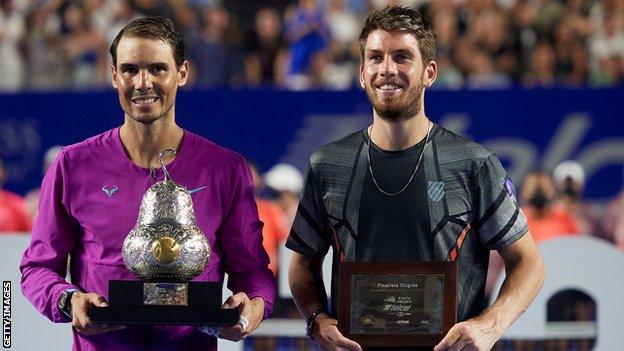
(430, 74)
(183, 73)
(114, 76)
(362, 81)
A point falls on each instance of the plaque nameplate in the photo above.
(397, 304)
(165, 294)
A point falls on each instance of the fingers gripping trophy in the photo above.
(165, 250)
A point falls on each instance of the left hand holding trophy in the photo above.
(165, 249)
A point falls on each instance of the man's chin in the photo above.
(144, 118)
(390, 114)
(388, 97)
(394, 111)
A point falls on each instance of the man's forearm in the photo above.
(525, 276)
(306, 284)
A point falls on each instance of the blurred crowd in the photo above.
(313, 44)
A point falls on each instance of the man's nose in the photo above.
(143, 81)
(388, 67)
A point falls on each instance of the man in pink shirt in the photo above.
(91, 194)
(14, 216)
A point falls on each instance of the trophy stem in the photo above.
(162, 164)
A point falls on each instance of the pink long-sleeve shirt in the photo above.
(90, 199)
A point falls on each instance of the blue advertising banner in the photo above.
(528, 129)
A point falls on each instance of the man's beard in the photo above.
(397, 109)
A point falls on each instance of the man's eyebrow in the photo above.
(127, 65)
(404, 52)
(151, 64)
(398, 51)
(373, 51)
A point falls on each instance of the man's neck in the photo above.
(144, 142)
(396, 136)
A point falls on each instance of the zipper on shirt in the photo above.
(152, 172)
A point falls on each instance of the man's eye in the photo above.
(157, 69)
(401, 58)
(375, 58)
(130, 70)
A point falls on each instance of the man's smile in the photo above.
(144, 100)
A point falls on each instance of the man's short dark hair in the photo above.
(404, 19)
(157, 28)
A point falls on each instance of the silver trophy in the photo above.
(165, 249)
(166, 242)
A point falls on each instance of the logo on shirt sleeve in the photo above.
(511, 189)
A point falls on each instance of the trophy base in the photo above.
(165, 315)
(164, 303)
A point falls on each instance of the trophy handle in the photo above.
(160, 159)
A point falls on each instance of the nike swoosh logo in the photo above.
(197, 189)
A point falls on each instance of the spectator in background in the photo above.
(216, 54)
(523, 17)
(541, 71)
(445, 25)
(490, 31)
(14, 215)
(341, 70)
(548, 13)
(570, 53)
(266, 55)
(274, 231)
(606, 47)
(462, 55)
(45, 60)
(32, 197)
(101, 14)
(85, 48)
(11, 35)
(343, 25)
(307, 34)
(287, 182)
(483, 74)
(569, 178)
(545, 220)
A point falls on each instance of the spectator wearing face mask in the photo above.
(546, 220)
(569, 178)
